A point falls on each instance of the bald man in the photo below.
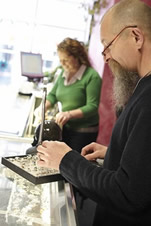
(122, 187)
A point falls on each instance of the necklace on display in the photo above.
(149, 73)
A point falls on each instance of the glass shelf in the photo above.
(23, 203)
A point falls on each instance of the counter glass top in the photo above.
(23, 203)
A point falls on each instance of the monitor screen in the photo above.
(31, 65)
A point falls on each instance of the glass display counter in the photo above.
(23, 203)
(17, 120)
(15, 116)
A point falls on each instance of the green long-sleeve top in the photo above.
(84, 94)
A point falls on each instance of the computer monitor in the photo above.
(31, 65)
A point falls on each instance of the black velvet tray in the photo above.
(40, 179)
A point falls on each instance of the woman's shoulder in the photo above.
(90, 72)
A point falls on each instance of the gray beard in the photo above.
(123, 84)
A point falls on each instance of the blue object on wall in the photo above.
(3, 65)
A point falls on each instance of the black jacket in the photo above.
(122, 188)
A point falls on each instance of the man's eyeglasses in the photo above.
(110, 43)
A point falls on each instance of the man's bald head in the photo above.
(129, 12)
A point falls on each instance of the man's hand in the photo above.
(50, 153)
(93, 151)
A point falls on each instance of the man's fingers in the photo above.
(87, 149)
(41, 163)
(41, 149)
(93, 156)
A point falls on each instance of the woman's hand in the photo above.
(93, 151)
(50, 153)
(62, 117)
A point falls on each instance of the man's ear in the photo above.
(138, 37)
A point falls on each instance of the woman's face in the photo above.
(68, 62)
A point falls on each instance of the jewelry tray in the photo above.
(25, 166)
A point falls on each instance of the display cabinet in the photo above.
(24, 203)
